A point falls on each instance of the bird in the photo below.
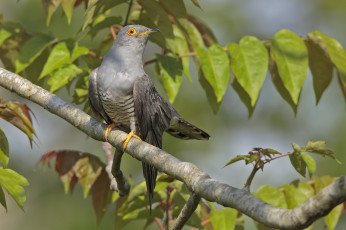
(124, 96)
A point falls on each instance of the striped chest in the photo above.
(121, 110)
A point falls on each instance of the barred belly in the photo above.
(121, 111)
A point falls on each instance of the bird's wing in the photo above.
(153, 115)
(153, 112)
(94, 100)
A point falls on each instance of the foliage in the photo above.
(55, 63)
(182, 35)
(17, 114)
(299, 158)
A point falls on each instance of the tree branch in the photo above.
(123, 186)
(186, 212)
(195, 178)
(107, 149)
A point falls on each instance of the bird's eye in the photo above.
(131, 31)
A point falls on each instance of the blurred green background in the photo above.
(273, 124)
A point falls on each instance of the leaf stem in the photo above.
(252, 175)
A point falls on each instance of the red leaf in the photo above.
(101, 194)
(18, 114)
(47, 157)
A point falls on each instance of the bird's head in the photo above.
(135, 36)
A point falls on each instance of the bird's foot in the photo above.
(128, 137)
(108, 130)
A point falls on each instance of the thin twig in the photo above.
(92, 53)
(149, 62)
(186, 212)
(252, 175)
(159, 224)
(128, 12)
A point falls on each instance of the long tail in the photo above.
(183, 129)
(150, 173)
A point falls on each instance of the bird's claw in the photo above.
(128, 137)
(108, 130)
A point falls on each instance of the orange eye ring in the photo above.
(131, 31)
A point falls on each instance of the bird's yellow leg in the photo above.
(128, 137)
(108, 130)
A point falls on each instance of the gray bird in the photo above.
(122, 94)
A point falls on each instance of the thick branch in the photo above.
(196, 179)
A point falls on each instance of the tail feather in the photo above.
(150, 173)
(184, 130)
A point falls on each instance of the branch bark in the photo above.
(195, 178)
(186, 212)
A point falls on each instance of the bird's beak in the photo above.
(152, 30)
(149, 31)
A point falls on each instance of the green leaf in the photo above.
(159, 17)
(81, 89)
(106, 23)
(321, 182)
(272, 196)
(31, 50)
(236, 159)
(249, 61)
(181, 47)
(67, 6)
(86, 174)
(196, 3)
(9, 50)
(4, 149)
(333, 217)
(319, 147)
(7, 30)
(224, 219)
(177, 9)
(243, 95)
(62, 76)
(195, 38)
(305, 190)
(320, 65)
(271, 151)
(291, 57)
(168, 70)
(207, 33)
(2, 198)
(212, 99)
(298, 163)
(96, 8)
(310, 163)
(50, 7)
(279, 85)
(296, 195)
(12, 182)
(215, 66)
(63, 53)
(163, 181)
(336, 53)
(59, 56)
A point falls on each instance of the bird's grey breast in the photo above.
(115, 90)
